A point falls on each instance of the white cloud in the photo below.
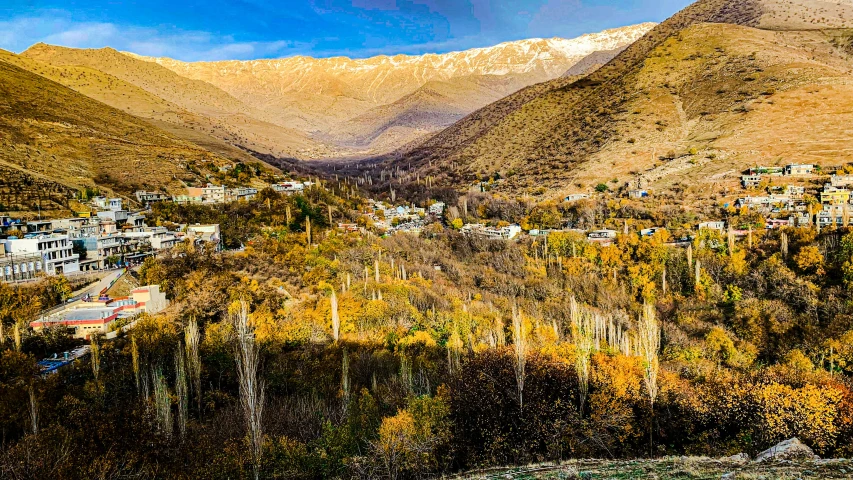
(18, 34)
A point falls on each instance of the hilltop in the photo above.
(55, 142)
(718, 87)
(364, 106)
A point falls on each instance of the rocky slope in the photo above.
(720, 86)
(354, 102)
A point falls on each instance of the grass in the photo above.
(672, 468)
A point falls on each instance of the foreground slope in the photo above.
(55, 142)
(700, 96)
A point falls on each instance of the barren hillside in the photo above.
(704, 93)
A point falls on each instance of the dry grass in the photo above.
(55, 142)
(673, 468)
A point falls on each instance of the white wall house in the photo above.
(55, 250)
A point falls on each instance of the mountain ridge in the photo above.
(550, 137)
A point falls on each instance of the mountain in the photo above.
(370, 105)
(718, 87)
(55, 142)
(181, 105)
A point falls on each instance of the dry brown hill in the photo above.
(701, 96)
(184, 106)
(54, 142)
(367, 106)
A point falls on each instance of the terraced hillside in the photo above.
(704, 94)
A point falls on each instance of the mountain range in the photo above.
(681, 107)
(721, 86)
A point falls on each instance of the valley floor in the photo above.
(671, 468)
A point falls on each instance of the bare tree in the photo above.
(583, 337)
(34, 412)
(162, 403)
(134, 355)
(520, 347)
(191, 336)
(345, 381)
(783, 247)
(247, 356)
(336, 319)
(648, 343)
(181, 390)
(648, 333)
(17, 335)
(95, 352)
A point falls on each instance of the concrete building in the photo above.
(437, 209)
(493, 233)
(151, 197)
(799, 169)
(54, 250)
(574, 197)
(19, 266)
(719, 226)
(205, 233)
(96, 317)
(834, 195)
(750, 181)
(841, 180)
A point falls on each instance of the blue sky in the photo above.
(193, 30)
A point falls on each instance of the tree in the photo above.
(601, 188)
(247, 356)
(457, 223)
(810, 260)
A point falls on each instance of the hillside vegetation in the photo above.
(55, 142)
(677, 95)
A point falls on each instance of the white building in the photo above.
(288, 187)
(492, 233)
(719, 226)
(576, 196)
(205, 233)
(841, 180)
(799, 169)
(437, 208)
(55, 251)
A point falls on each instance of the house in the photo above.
(800, 219)
(774, 171)
(834, 195)
(799, 169)
(205, 233)
(288, 187)
(213, 193)
(750, 181)
(719, 226)
(55, 251)
(187, 199)
(794, 191)
(834, 215)
(241, 193)
(117, 216)
(574, 197)
(637, 193)
(493, 233)
(96, 317)
(841, 180)
(150, 197)
(20, 266)
(348, 227)
(437, 209)
(773, 223)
